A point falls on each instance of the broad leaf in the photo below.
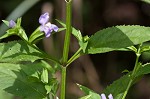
(118, 87)
(18, 51)
(14, 80)
(90, 94)
(115, 38)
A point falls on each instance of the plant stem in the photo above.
(68, 32)
(63, 83)
(136, 67)
(66, 48)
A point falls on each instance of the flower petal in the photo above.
(54, 27)
(103, 96)
(44, 18)
(110, 96)
(47, 31)
(12, 24)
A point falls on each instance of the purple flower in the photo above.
(110, 96)
(46, 26)
(12, 24)
(103, 96)
(44, 18)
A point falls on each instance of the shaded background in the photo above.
(93, 71)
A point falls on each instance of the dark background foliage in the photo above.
(93, 71)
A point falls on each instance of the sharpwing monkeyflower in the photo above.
(103, 96)
(46, 26)
(12, 24)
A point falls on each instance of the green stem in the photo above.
(68, 32)
(63, 83)
(66, 48)
(132, 76)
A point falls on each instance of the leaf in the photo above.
(17, 51)
(35, 36)
(33, 70)
(145, 69)
(89, 92)
(75, 32)
(6, 22)
(147, 1)
(86, 97)
(115, 38)
(118, 87)
(14, 80)
(83, 44)
(44, 76)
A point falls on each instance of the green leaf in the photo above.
(118, 87)
(33, 70)
(35, 36)
(75, 32)
(19, 22)
(15, 81)
(48, 67)
(147, 1)
(83, 44)
(17, 51)
(86, 97)
(44, 76)
(145, 49)
(145, 69)
(90, 94)
(53, 84)
(6, 22)
(115, 38)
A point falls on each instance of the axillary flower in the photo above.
(46, 26)
(104, 97)
(12, 24)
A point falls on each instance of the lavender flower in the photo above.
(103, 96)
(12, 24)
(46, 26)
(110, 96)
(44, 18)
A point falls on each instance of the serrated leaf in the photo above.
(87, 91)
(16, 51)
(33, 70)
(118, 87)
(115, 38)
(14, 80)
